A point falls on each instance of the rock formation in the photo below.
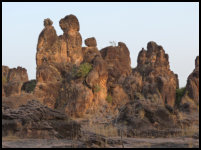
(12, 80)
(190, 100)
(35, 120)
(94, 86)
(152, 76)
(192, 87)
(118, 61)
(81, 93)
(118, 67)
(144, 118)
(53, 54)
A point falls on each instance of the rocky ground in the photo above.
(112, 142)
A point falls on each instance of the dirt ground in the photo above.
(114, 142)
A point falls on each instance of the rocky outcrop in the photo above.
(90, 42)
(118, 62)
(190, 100)
(84, 88)
(70, 26)
(35, 120)
(153, 76)
(54, 53)
(12, 80)
(192, 87)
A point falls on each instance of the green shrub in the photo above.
(29, 86)
(4, 80)
(83, 70)
(96, 88)
(109, 99)
(179, 94)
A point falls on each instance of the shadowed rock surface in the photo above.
(35, 120)
(152, 76)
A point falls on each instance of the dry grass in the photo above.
(101, 129)
(10, 138)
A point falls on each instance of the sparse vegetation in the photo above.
(109, 98)
(96, 88)
(83, 70)
(29, 86)
(179, 94)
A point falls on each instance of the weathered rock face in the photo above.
(192, 87)
(82, 94)
(35, 120)
(70, 26)
(145, 118)
(13, 80)
(190, 100)
(118, 66)
(153, 75)
(90, 42)
(118, 61)
(54, 54)
(97, 77)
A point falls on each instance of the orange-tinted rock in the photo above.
(97, 77)
(45, 41)
(70, 27)
(90, 42)
(54, 54)
(190, 100)
(12, 80)
(118, 61)
(157, 78)
(13, 88)
(18, 74)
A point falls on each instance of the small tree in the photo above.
(113, 43)
(83, 70)
(179, 94)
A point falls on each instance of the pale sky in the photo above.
(175, 26)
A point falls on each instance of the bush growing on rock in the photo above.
(29, 86)
(179, 94)
(83, 70)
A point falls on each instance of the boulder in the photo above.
(35, 120)
(90, 42)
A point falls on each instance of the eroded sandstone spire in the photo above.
(153, 76)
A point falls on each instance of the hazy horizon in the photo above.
(175, 26)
